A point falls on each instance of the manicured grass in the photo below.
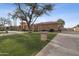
(22, 44)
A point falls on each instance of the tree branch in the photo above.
(22, 12)
(33, 9)
(34, 20)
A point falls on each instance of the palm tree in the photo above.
(29, 12)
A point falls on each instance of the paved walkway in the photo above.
(11, 33)
(64, 44)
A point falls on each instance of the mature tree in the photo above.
(29, 12)
(78, 25)
(14, 18)
(61, 21)
(4, 22)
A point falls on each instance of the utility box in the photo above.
(44, 36)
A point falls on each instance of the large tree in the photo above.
(29, 12)
(13, 16)
(61, 21)
(4, 22)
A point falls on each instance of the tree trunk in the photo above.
(6, 29)
(29, 28)
(22, 24)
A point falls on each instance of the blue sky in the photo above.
(68, 12)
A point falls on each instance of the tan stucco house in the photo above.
(76, 28)
(43, 26)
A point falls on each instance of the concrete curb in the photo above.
(42, 50)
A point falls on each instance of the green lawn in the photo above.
(22, 44)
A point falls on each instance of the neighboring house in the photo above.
(45, 26)
(76, 28)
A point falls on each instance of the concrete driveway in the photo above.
(64, 44)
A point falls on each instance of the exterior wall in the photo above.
(42, 26)
(23, 26)
(76, 29)
(53, 26)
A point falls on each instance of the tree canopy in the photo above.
(4, 21)
(29, 12)
(61, 21)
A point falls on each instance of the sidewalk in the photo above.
(62, 45)
(11, 33)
